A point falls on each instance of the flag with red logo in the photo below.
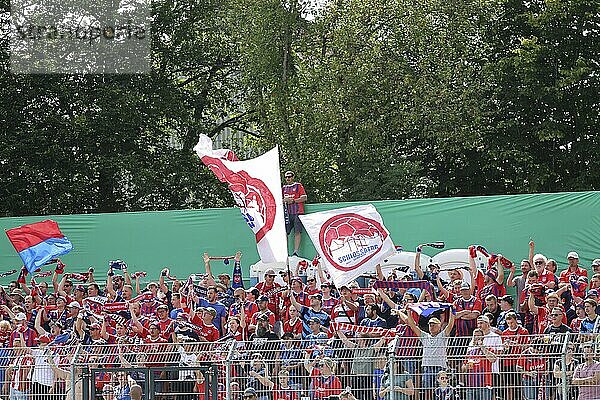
(256, 188)
(351, 241)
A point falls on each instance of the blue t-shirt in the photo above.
(307, 313)
(221, 312)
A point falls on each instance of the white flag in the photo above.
(256, 188)
(350, 241)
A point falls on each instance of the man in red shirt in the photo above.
(208, 332)
(514, 338)
(267, 288)
(294, 198)
(574, 271)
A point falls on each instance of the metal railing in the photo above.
(371, 368)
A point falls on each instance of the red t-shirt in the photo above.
(296, 190)
(294, 327)
(325, 387)
(479, 372)
(519, 337)
(284, 394)
(565, 275)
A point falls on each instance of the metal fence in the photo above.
(480, 367)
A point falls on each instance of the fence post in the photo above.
(392, 366)
(74, 363)
(228, 363)
(563, 371)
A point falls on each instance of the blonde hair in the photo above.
(4, 325)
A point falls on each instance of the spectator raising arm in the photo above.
(210, 279)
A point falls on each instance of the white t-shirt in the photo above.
(434, 349)
(42, 372)
(493, 341)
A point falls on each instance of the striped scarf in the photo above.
(341, 326)
(423, 285)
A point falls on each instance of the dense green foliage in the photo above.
(367, 99)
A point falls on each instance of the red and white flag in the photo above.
(351, 241)
(256, 188)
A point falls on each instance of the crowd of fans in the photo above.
(308, 338)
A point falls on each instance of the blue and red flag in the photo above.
(39, 243)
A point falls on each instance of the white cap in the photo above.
(20, 316)
(573, 254)
(74, 304)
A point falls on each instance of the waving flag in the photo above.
(256, 188)
(428, 308)
(38, 243)
(351, 241)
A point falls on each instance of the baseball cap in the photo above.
(249, 392)
(270, 271)
(592, 292)
(483, 318)
(573, 254)
(596, 262)
(20, 316)
(211, 310)
(317, 296)
(465, 286)
(81, 288)
(151, 284)
(434, 320)
(263, 298)
(508, 298)
(314, 319)
(224, 276)
(74, 304)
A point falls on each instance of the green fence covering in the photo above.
(150, 241)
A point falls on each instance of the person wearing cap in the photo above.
(506, 304)
(266, 288)
(595, 281)
(346, 310)
(468, 308)
(587, 374)
(493, 341)
(311, 285)
(435, 347)
(212, 301)
(204, 317)
(242, 305)
(263, 310)
(316, 341)
(22, 331)
(514, 339)
(294, 197)
(573, 271)
(306, 313)
(263, 330)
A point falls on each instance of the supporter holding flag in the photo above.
(435, 345)
(39, 243)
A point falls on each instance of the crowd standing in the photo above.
(306, 338)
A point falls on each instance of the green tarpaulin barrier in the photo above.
(150, 241)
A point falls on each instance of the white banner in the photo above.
(351, 241)
(256, 188)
